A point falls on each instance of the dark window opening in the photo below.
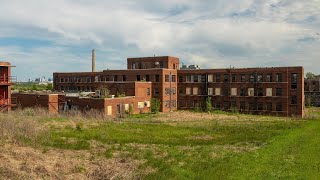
(115, 78)
(138, 78)
(260, 106)
(279, 77)
(226, 105)
(156, 91)
(243, 78)
(147, 78)
(259, 92)
(218, 78)
(269, 78)
(180, 78)
(294, 77)
(279, 107)
(294, 100)
(269, 106)
(226, 92)
(226, 77)
(124, 78)
(242, 92)
(195, 78)
(148, 91)
(180, 90)
(252, 78)
(242, 105)
(157, 78)
(279, 92)
(234, 78)
(260, 78)
(203, 78)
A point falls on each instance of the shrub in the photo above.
(197, 108)
(208, 104)
(155, 105)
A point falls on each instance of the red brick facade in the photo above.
(274, 91)
(6, 81)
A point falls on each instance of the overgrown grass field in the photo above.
(179, 145)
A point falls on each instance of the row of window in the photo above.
(239, 78)
(87, 89)
(234, 91)
(241, 106)
(113, 78)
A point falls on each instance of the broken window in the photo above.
(278, 107)
(269, 106)
(157, 78)
(294, 100)
(279, 92)
(269, 78)
(279, 77)
(218, 78)
(294, 77)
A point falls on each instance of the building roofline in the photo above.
(152, 57)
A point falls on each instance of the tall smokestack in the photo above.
(93, 61)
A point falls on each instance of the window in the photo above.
(226, 92)
(156, 91)
(188, 78)
(250, 91)
(217, 106)
(188, 91)
(167, 91)
(260, 78)
(173, 91)
(180, 78)
(269, 92)
(115, 78)
(218, 78)
(234, 78)
(133, 65)
(210, 78)
(180, 91)
(243, 78)
(157, 78)
(242, 92)
(203, 78)
(260, 106)
(124, 78)
(226, 77)
(195, 91)
(167, 78)
(259, 92)
(269, 106)
(252, 106)
(147, 78)
(173, 78)
(180, 103)
(138, 78)
(148, 91)
(174, 103)
(252, 78)
(242, 105)
(226, 105)
(278, 107)
(279, 92)
(195, 78)
(279, 77)
(61, 79)
(140, 105)
(269, 78)
(294, 100)
(210, 91)
(218, 91)
(233, 91)
(188, 104)
(294, 77)
(167, 104)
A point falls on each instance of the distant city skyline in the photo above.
(42, 37)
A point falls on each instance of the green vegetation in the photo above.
(186, 145)
(21, 87)
(155, 105)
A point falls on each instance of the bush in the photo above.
(197, 108)
(208, 104)
(155, 105)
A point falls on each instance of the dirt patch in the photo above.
(18, 162)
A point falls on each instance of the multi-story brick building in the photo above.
(274, 91)
(6, 81)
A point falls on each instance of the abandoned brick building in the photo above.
(6, 81)
(274, 91)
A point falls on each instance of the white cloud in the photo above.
(210, 33)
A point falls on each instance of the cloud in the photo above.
(210, 33)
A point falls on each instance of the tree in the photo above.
(310, 75)
(155, 105)
(208, 104)
(104, 91)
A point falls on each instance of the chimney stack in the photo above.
(93, 61)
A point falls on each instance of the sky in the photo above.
(40, 37)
